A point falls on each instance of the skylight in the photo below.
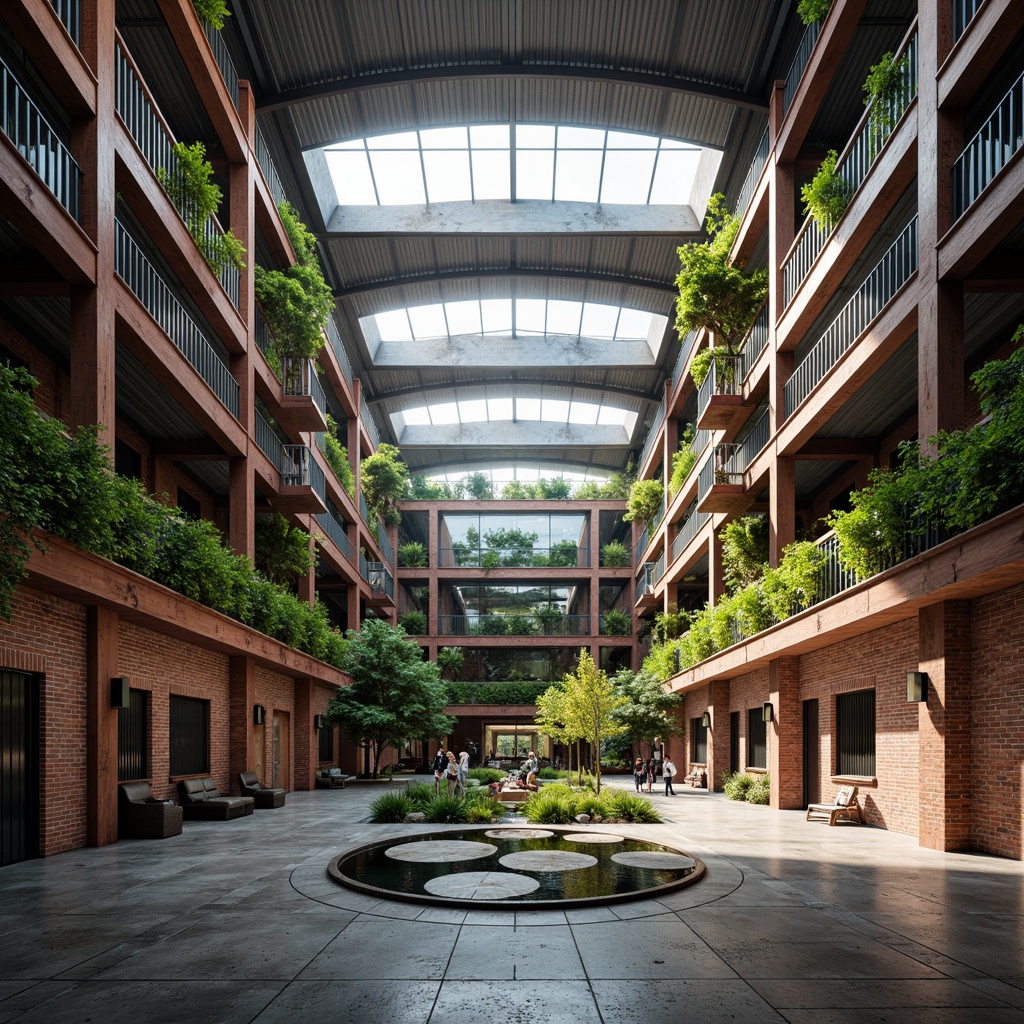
(518, 318)
(476, 162)
(491, 410)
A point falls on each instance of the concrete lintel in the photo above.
(502, 350)
(523, 217)
(519, 434)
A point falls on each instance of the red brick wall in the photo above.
(997, 722)
(745, 692)
(277, 694)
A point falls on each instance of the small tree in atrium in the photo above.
(647, 710)
(385, 480)
(645, 498)
(592, 702)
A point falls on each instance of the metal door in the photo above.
(19, 767)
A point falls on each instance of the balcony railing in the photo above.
(525, 624)
(370, 423)
(339, 349)
(153, 292)
(364, 509)
(891, 272)
(300, 379)
(652, 436)
(721, 468)
(658, 516)
(990, 150)
(723, 379)
(757, 166)
(376, 574)
(690, 526)
(645, 581)
(268, 442)
(558, 557)
(223, 59)
(69, 13)
(156, 143)
(876, 125)
(754, 442)
(334, 528)
(385, 547)
(800, 62)
(684, 351)
(754, 343)
(32, 136)
(269, 168)
(295, 466)
(641, 545)
(963, 13)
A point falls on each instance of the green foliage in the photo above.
(793, 584)
(337, 457)
(700, 365)
(495, 693)
(213, 12)
(412, 555)
(633, 807)
(558, 805)
(646, 710)
(552, 773)
(887, 93)
(811, 11)
(736, 785)
(478, 487)
(414, 623)
(449, 661)
(616, 623)
(423, 489)
(282, 550)
(614, 555)
(446, 810)
(645, 498)
(420, 794)
(826, 195)
(516, 490)
(551, 805)
(683, 460)
(550, 619)
(744, 550)
(483, 811)
(197, 199)
(561, 554)
(714, 294)
(390, 807)
(296, 301)
(384, 480)
(555, 489)
(486, 775)
(760, 791)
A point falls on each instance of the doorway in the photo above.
(734, 742)
(282, 770)
(811, 762)
(19, 767)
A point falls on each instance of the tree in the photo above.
(645, 498)
(395, 695)
(592, 702)
(282, 550)
(556, 717)
(647, 710)
(385, 480)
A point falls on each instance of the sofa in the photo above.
(141, 816)
(200, 800)
(249, 785)
(330, 778)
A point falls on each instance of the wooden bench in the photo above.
(844, 807)
(697, 777)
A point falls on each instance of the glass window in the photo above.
(757, 739)
(189, 735)
(133, 738)
(698, 742)
(855, 733)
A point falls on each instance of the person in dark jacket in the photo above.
(639, 773)
(440, 766)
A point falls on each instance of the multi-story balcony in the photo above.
(534, 623)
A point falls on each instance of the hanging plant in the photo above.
(645, 497)
(827, 195)
(337, 457)
(213, 12)
(683, 460)
(197, 200)
(296, 301)
(811, 11)
(887, 93)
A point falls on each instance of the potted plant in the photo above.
(616, 623)
(827, 194)
(614, 555)
(412, 555)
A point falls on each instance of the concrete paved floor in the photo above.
(236, 921)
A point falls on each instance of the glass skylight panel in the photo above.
(527, 408)
(530, 316)
(473, 410)
(428, 322)
(496, 315)
(535, 136)
(610, 416)
(673, 176)
(578, 175)
(627, 176)
(396, 140)
(535, 170)
(417, 417)
(447, 176)
(633, 324)
(443, 138)
(399, 178)
(499, 408)
(352, 178)
(491, 175)
(394, 326)
(599, 320)
(463, 317)
(564, 317)
(489, 136)
(444, 414)
(583, 413)
(554, 410)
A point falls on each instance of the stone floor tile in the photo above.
(695, 1002)
(345, 1002)
(538, 953)
(879, 993)
(515, 1002)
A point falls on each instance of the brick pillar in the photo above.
(782, 501)
(785, 734)
(718, 733)
(716, 569)
(307, 751)
(944, 726)
(101, 727)
(242, 697)
(307, 584)
(434, 561)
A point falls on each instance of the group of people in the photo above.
(451, 772)
(645, 771)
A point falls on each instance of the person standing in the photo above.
(649, 768)
(452, 773)
(639, 772)
(530, 769)
(658, 753)
(669, 770)
(439, 766)
(463, 773)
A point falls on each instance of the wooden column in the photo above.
(242, 697)
(944, 727)
(785, 734)
(101, 666)
(718, 733)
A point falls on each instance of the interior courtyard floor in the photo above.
(237, 922)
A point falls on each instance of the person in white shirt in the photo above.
(463, 773)
(669, 769)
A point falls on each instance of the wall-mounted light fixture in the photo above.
(917, 687)
(705, 720)
(120, 693)
(767, 711)
(318, 721)
(259, 713)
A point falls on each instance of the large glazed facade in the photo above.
(867, 338)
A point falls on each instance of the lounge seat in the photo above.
(330, 778)
(249, 785)
(697, 777)
(845, 807)
(200, 800)
(140, 816)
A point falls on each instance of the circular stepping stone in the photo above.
(654, 859)
(518, 833)
(592, 837)
(547, 860)
(481, 885)
(440, 851)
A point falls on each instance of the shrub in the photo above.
(444, 809)
(616, 623)
(736, 785)
(645, 498)
(552, 773)
(812, 10)
(337, 457)
(412, 555)
(486, 775)
(212, 11)
(683, 460)
(449, 661)
(634, 808)
(484, 810)
(390, 807)
(827, 194)
(552, 805)
(614, 555)
(414, 623)
(420, 794)
(793, 584)
(760, 791)
(744, 550)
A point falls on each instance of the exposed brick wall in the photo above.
(277, 694)
(997, 722)
(747, 691)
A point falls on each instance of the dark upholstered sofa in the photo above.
(249, 784)
(140, 816)
(200, 800)
(330, 778)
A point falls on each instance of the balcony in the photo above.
(720, 485)
(721, 393)
(269, 168)
(303, 401)
(302, 481)
(223, 61)
(689, 527)
(754, 173)
(800, 62)
(644, 593)
(381, 582)
(565, 555)
(31, 135)
(334, 337)
(69, 14)
(963, 13)
(550, 622)
(652, 436)
(370, 424)
(334, 527)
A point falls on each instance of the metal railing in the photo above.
(874, 129)
(223, 59)
(31, 135)
(300, 379)
(317, 478)
(755, 441)
(689, 527)
(963, 13)
(295, 465)
(364, 510)
(800, 62)
(645, 581)
(376, 574)
(513, 624)
(69, 13)
(652, 436)
(891, 272)
(334, 528)
(465, 557)
(723, 379)
(641, 544)
(334, 337)
(385, 547)
(988, 152)
(721, 468)
(156, 143)
(268, 167)
(153, 292)
(371, 424)
(684, 351)
(757, 167)
(261, 332)
(754, 343)
(268, 442)
(658, 516)
(659, 568)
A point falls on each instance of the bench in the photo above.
(697, 777)
(140, 816)
(200, 800)
(330, 778)
(844, 807)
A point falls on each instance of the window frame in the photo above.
(856, 720)
(189, 714)
(757, 738)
